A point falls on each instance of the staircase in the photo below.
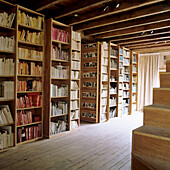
(151, 142)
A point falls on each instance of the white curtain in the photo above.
(148, 78)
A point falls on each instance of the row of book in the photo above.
(134, 58)
(126, 53)
(74, 114)
(90, 55)
(76, 55)
(60, 35)
(89, 105)
(90, 46)
(30, 85)
(57, 91)
(29, 54)
(113, 63)
(6, 19)
(5, 115)
(90, 64)
(113, 90)
(89, 94)
(113, 77)
(126, 86)
(134, 79)
(74, 94)
(112, 101)
(7, 67)
(125, 94)
(76, 45)
(29, 100)
(104, 93)
(112, 112)
(89, 84)
(6, 90)
(126, 69)
(75, 74)
(29, 68)
(125, 110)
(74, 124)
(59, 108)
(75, 65)
(113, 52)
(89, 115)
(58, 53)
(57, 127)
(90, 74)
(104, 101)
(134, 88)
(36, 22)
(60, 71)
(134, 69)
(74, 105)
(28, 133)
(125, 102)
(126, 61)
(76, 35)
(104, 61)
(104, 77)
(133, 97)
(6, 137)
(74, 85)
(31, 37)
(126, 77)
(7, 44)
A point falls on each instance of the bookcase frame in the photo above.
(96, 79)
(37, 47)
(47, 75)
(131, 81)
(7, 31)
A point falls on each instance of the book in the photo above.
(6, 90)
(6, 19)
(7, 44)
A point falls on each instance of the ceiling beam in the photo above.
(125, 16)
(77, 7)
(151, 50)
(129, 24)
(148, 41)
(124, 6)
(145, 28)
(45, 4)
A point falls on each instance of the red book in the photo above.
(27, 133)
(36, 119)
(34, 134)
(39, 130)
(19, 135)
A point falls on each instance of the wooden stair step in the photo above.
(152, 142)
(140, 162)
(165, 80)
(168, 65)
(161, 96)
(157, 116)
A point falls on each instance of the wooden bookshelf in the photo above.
(104, 83)
(134, 81)
(90, 87)
(56, 62)
(7, 31)
(126, 81)
(25, 57)
(75, 83)
(113, 80)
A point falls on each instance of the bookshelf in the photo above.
(57, 78)
(120, 81)
(113, 80)
(126, 82)
(29, 75)
(104, 82)
(75, 60)
(90, 82)
(7, 75)
(134, 81)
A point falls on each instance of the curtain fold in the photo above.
(148, 78)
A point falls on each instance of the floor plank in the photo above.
(92, 146)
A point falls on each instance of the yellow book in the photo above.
(19, 16)
(19, 35)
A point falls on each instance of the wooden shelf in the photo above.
(74, 99)
(59, 60)
(59, 79)
(7, 52)
(76, 40)
(75, 59)
(28, 141)
(4, 28)
(30, 108)
(59, 115)
(29, 59)
(29, 27)
(60, 42)
(8, 124)
(113, 69)
(29, 44)
(29, 91)
(6, 100)
(28, 76)
(59, 97)
(34, 123)
(113, 57)
(75, 79)
(76, 50)
(1, 76)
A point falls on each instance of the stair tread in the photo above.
(165, 73)
(157, 106)
(156, 132)
(151, 162)
(161, 88)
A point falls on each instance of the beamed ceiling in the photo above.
(141, 25)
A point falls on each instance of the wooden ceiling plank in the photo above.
(129, 15)
(129, 24)
(75, 8)
(151, 50)
(139, 29)
(124, 6)
(45, 4)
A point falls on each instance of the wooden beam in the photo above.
(138, 35)
(145, 28)
(155, 42)
(45, 4)
(151, 50)
(124, 6)
(125, 16)
(141, 39)
(77, 7)
(148, 41)
(129, 24)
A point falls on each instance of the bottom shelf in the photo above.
(6, 149)
(28, 141)
(61, 133)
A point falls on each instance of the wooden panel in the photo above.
(157, 116)
(168, 66)
(165, 80)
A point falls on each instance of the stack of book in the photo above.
(6, 19)
(74, 85)
(76, 45)
(7, 67)
(76, 36)
(6, 90)
(74, 94)
(59, 108)
(76, 55)
(7, 44)
(74, 114)
(57, 127)
(75, 65)
(74, 105)
(75, 74)
(59, 91)
(60, 72)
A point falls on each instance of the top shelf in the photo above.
(60, 42)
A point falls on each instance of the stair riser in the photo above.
(161, 97)
(167, 66)
(149, 146)
(165, 80)
(157, 117)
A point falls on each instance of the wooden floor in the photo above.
(92, 146)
